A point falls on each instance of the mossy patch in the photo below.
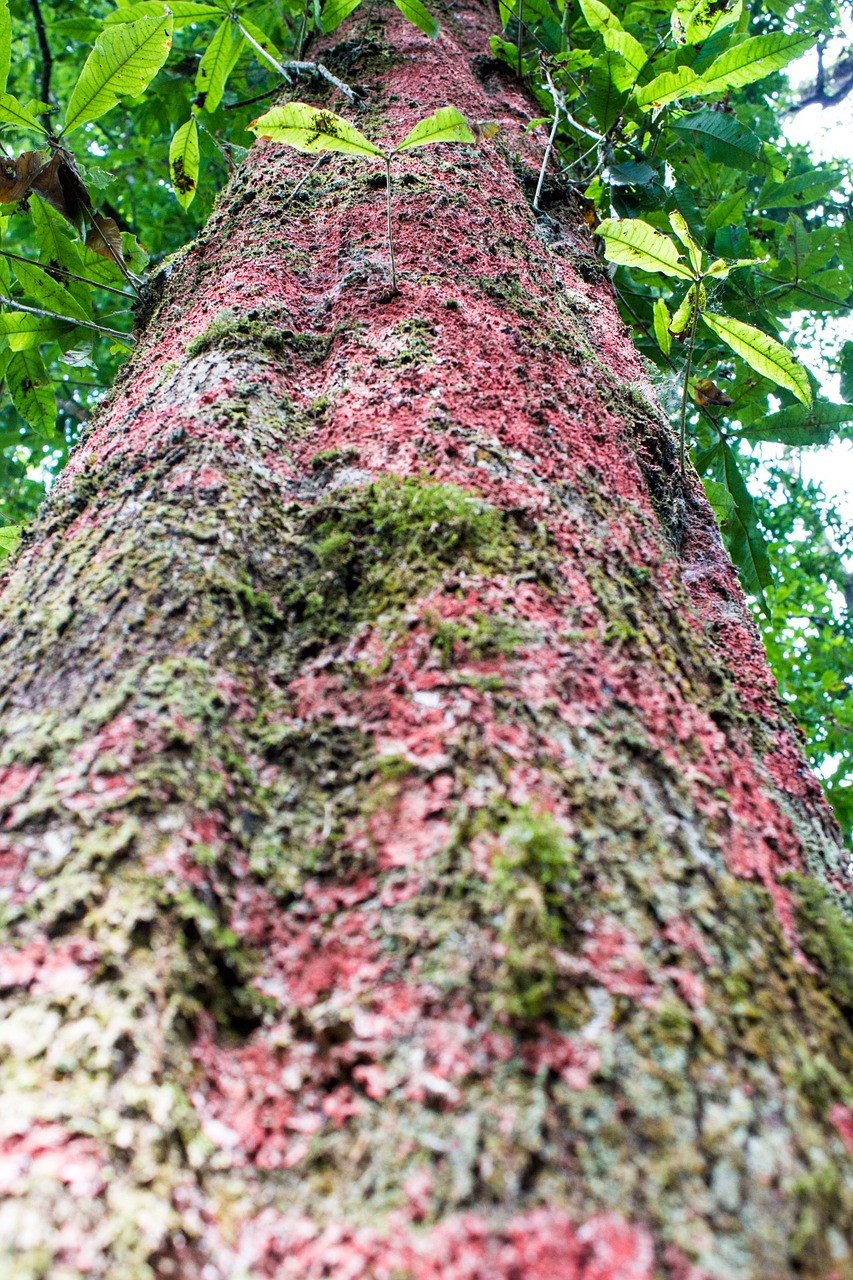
(231, 330)
(826, 936)
(373, 549)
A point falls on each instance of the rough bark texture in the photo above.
(409, 869)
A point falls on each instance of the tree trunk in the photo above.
(409, 869)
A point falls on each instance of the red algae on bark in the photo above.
(408, 867)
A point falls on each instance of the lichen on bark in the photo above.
(408, 867)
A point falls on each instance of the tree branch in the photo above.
(44, 47)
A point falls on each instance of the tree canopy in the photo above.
(731, 251)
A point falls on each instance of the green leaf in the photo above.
(599, 17)
(798, 425)
(684, 315)
(762, 353)
(661, 322)
(744, 539)
(10, 536)
(184, 12)
(679, 226)
(728, 210)
(633, 243)
(415, 12)
(629, 47)
(5, 42)
(123, 63)
(31, 391)
(609, 82)
(444, 125)
(24, 331)
(184, 161)
(720, 499)
(756, 58)
(721, 138)
(804, 188)
(11, 112)
(668, 86)
(710, 16)
(334, 12)
(310, 129)
(47, 292)
(219, 60)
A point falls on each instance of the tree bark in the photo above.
(409, 868)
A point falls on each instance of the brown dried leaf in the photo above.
(17, 174)
(104, 237)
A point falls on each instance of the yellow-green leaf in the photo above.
(762, 353)
(684, 314)
(626, 44)
(756, 58)
(444, 125)
(123, 63)
(633, 243)
(661, 322)
(11, 112)
(183, 162)
(710, 16)
(669, 85)
(220, 59)
(10, 536)
(334, 12)
(311, 129)
(415, 12)
(679, 225)
(599, 17)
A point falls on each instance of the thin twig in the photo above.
(60, 271)
(296, 65)
(520, 38)
(557, 106)
(54, 315)
(301, 183)
(390, 236)
(259, 97)
(44, 47)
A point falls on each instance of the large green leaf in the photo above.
(219, 60)
(756, 58)
(11, 112)
(609, 82)
(629, 47)
(334, 12)
(310, 129)
(599, 17)
(23, 331)
(762, 353)
(184, 161)
(667, 87)
(123, 63)
(31, 391)
(47, 292)
(799, 425)
(415, 12)
(804, 188)
(5, 42)
(183, 12)
(698, 22)
(633, 243)
(444, 125)
(10, 536)
(721, 138)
